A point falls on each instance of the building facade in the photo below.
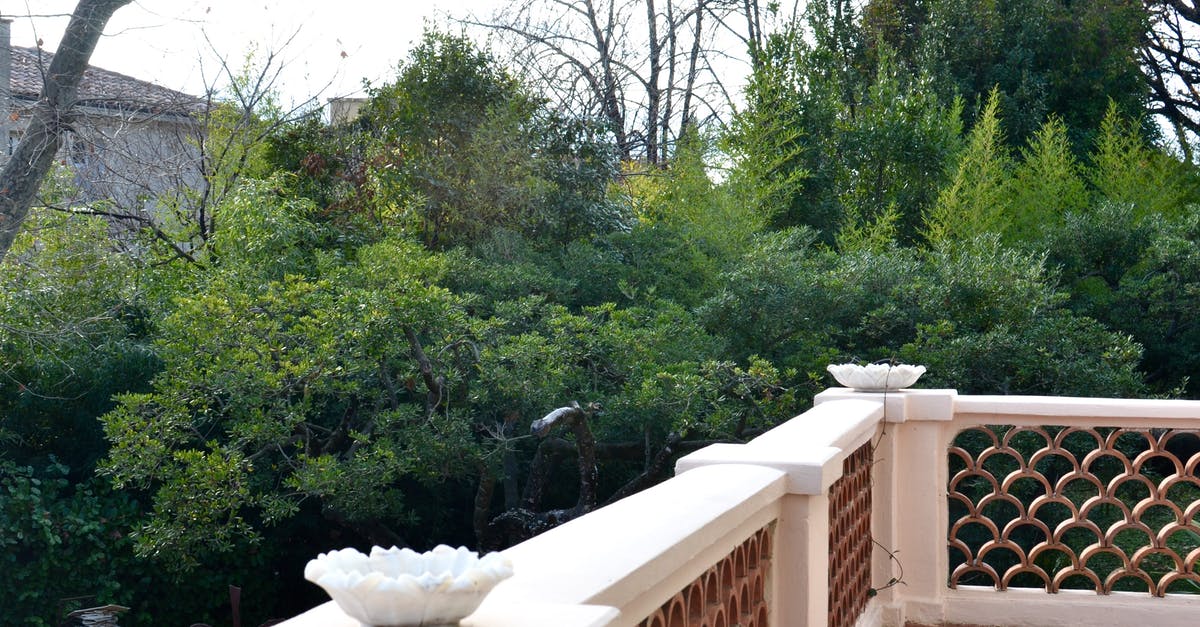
(132, 148)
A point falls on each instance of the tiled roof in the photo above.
(99, 87)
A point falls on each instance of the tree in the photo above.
(784, 142)
(34, 155)
(973, 203)
(456, 148)
(821, 143)
(962, 308)
(1045, 57)
(648, 68)
(1172, 66)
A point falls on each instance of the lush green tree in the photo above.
(824, 144)
(894, 147)
(1139, 277)
(973, 202)
(896, 25)
(276, 362)
(1045, 58)
(299, 368)
(803, 306)
(1047, 184)
(784, 142)
(72, 333)
(1127, 170)
(464, 148)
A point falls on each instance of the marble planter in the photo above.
(876, 377)
(402, 588)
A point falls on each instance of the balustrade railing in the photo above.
(913, 508)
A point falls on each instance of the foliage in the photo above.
(49, 528)
(1128, 171)
(1046, 185)
(682, 197)
(821, 144)
(1043, 57)
(894, 146)
(972, 204)
(783, 141)
(465, 148)
(61, 539)
(803, 307)
(72, 333)
(1139, 277)
(272, 379)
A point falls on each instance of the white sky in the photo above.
(163, 41)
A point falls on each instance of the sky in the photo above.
(327, 47)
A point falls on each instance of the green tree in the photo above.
(784, 142)
(464, 148)
(826, 145)
(802, 307)
(1044, 58)
(1139, 277)
(973, 202)
(73, 332)
(279, 371)
(1047, 184)
(1129, 171)
(894, 148)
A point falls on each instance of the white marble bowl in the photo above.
(876, 377)
(402, 588)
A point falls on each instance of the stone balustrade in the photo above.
(843, 516)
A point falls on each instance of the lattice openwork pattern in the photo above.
(850, 539)
(1100, 509)
(733, 592)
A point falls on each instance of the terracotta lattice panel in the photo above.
(1101, 509)
(732, 593)
(850, 539)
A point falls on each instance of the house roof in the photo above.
(99, 87)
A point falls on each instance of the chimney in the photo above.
(5, 84)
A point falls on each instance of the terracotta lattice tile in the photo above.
(1102, 509)
(850, 539)
(731, 592)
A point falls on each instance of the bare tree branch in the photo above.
(628, 61)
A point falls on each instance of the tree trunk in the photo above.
(653, 95)
(23, 174)
(693, 65)
(669, 94)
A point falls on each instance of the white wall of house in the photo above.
(127, 157)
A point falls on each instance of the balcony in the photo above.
(920, 507)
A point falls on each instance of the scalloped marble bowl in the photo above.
(876, 377)
(402, 588)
